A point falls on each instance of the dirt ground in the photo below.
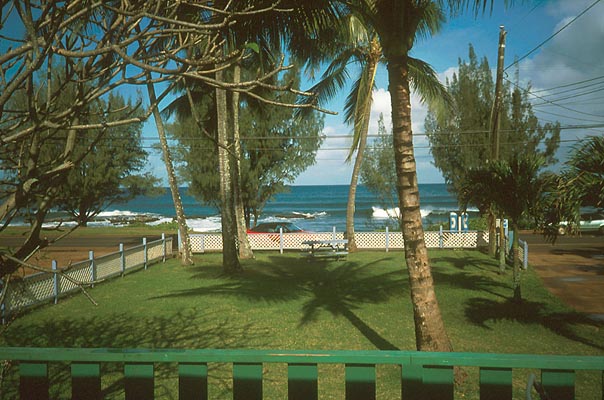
(572, 269)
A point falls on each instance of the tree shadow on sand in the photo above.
(337, 287)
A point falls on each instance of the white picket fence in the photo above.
(49, 286)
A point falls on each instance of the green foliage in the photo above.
(109, 172)
(580, 184)
(585, 173)
(515, 187)
(378, 172)
(276, 147)
(459, 134)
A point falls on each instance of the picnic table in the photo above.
(334, 248)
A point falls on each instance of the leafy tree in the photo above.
(108, 175)
(459, 134)
(275, 148)
(378, 172)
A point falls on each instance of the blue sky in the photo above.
(571, 56)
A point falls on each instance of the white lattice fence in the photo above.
(42, 287)
(135, 257)
(33, 289)
(432, 239)
(459, 239)
(109, 265)
(155, 250)
(80, 272)
(202, 242)
(264, 241)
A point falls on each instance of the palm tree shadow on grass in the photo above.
(480, 310)
(337, 287)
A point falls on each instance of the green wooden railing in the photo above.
(424, 375)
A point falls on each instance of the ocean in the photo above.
(313, 208)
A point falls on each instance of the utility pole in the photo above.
(498, 95)
(495, 139)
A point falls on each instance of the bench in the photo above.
(335, 248)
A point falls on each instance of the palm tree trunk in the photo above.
(363, 130)
(245, 250)
(430, 333)
(230, 257)
(186, 258)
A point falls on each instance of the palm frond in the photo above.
(424, 81)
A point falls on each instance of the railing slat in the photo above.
(302, 381)
(360, 381)
(495, 383)
(193, 381)
(138, 381)
(438, 382)
(559, 384)
(411, 385)
(247, 381)
(86, 381)
(33, 384)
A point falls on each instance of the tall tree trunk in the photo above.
(430, 333)
(186, 258)
(230, 256)
(245, 250)
(516, 263)
(362, 131)
(502, 246)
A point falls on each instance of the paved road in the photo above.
(572, 269)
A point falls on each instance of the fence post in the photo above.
(92, 267)
(387, 239)
(203, 243)
(440, 238)
(333, 235)
(163, 247)
(525, 255)
(55, 281)
(281, 240)
(123, 259)
(179, 242)
(145, 252)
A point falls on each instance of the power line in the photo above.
(551, 102)
(568, 84)
(552, 36)
(459, 145)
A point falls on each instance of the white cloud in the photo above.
(573, 55)
(331, 167)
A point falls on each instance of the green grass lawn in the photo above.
(284, 302)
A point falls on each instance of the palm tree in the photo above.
(359, 46)
(398, 23)
(186, 253)
(516, 189)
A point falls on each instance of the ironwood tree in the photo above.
(102, 47)
(459, 132)
(276, 146)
